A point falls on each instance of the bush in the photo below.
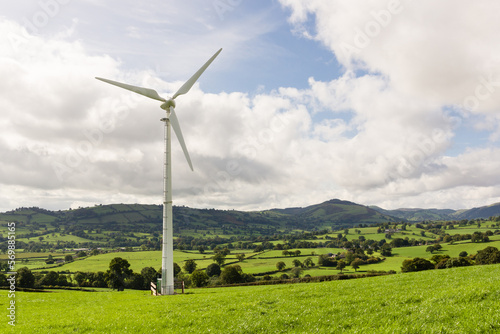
(190, 266)
(232, 274)
(296, 272)
(199, 278)
(213, 270)
(439, 257)
(489, 255)
(416, 264)
(25, 278)
(325, 261)
(135, 281)
(453, 262)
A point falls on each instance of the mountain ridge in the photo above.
(331, 214)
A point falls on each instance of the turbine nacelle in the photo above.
(170, 103)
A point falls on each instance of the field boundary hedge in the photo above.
(314, 279)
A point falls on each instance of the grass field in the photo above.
(259, 263)
(458, 300)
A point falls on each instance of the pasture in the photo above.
(458, 300)
(258, 263)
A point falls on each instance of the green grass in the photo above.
(53, 239)
(137, 260)
(458, 300)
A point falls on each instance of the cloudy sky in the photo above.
(388, 103)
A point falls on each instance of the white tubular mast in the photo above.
(171, 122)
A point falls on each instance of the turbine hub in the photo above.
(168, 104)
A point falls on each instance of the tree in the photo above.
(489, 255)
(280, 265)
(231, 274)
(430, 249)
(308, 262)
(25, 278)
(135, 281)
(68, 258)
(259, 248)
(285, 253)
(117, 273)
(63, 280)
(51, 278)
(349, 257)
(97, 280)
(325, 261)
(439, 257)
(190, 266)
(80, 278)
(149, 274)
(199, 278)
(213, 270)
(340, 265)
(201, 249)
(3, 280)
(386, 250)
(416, 264)
(297, 263)
(355, 264)
(463, 254)
(219, 258)
(296, 272)
(240, 257)
(454, 262)
(177, 269)
(81, 254)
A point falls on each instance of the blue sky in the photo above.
(388, 103)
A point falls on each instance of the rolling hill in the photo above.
(479, 212)
(140, 218)
(414, 214)
(148, 219)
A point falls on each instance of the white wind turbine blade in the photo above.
(151, 93)
(177, 129)
(188, 84)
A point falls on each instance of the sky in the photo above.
(389, 103)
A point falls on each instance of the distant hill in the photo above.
(337, 212)
(148, 219)
(412, 214)
(139, 218)
(418, 214)
(480, 212)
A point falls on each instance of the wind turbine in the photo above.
(167, 263)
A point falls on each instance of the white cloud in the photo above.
(378, 134)
(419, 58)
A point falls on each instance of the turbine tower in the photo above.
(167, 263)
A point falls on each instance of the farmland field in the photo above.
(458, 300)
(259, 263)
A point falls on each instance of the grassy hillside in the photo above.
(458, 300)
(137, 218)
